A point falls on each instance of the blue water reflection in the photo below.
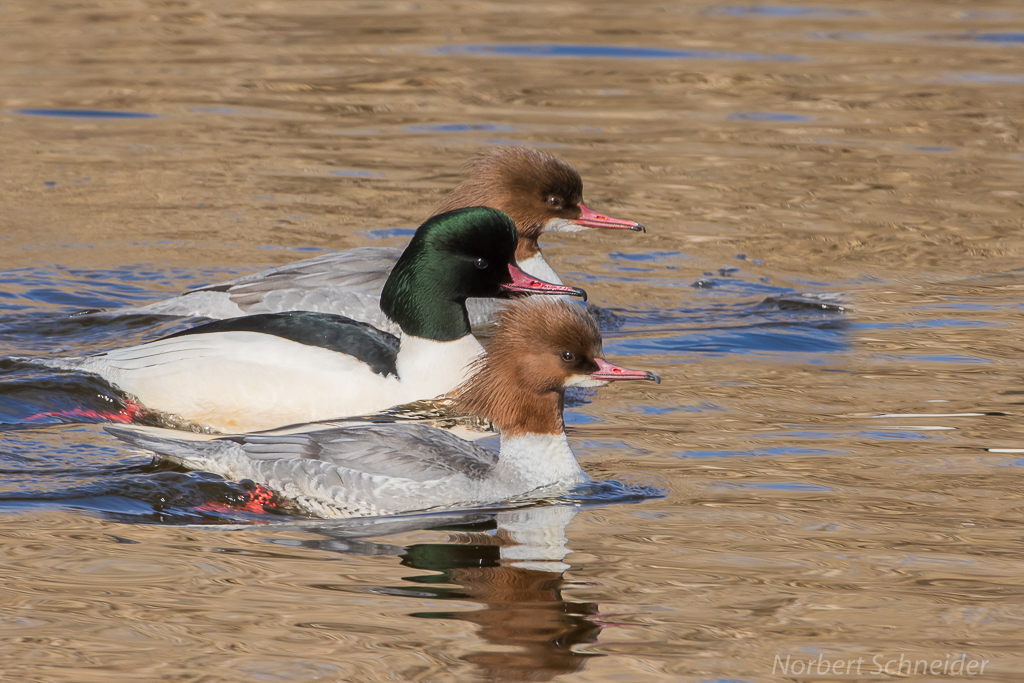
(86, 113)
(388, 233)
(984, 78)
(789, 12)
(1011, 39)
(352, 173)
(769, 337)
(606, 52)
(1000, 37)
(775, 486)
(769, 116)
(763, 452)
(646, 256)
(460, 128)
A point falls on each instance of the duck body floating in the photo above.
(264, 371)
(540, 349)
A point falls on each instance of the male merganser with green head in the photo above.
(541, 348)
(264, 371)
(540, 192)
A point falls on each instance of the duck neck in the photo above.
(429, 368)
(533, 461)
(528, 412)
(417, 300)
(441, 321)
(528, 247)
(534, 451)
(537, 267)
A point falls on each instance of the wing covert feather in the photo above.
(413, 452)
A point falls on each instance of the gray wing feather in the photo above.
(192, 454)
(413, 452)
(347, 282)
(364, 269)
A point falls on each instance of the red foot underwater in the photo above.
(260, 501)
(127, 414)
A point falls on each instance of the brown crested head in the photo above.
(539, 348)
(531, 186)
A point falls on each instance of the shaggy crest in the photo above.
(520, 383)
(520, 181)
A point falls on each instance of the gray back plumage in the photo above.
(363, 270)
(408, 451)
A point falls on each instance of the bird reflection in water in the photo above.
(516, 574)
(511, 562)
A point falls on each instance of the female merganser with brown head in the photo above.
(541, 348)
(274, 369)
(540, 192)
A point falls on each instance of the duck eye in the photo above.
(568, 356)
(481, 263)
(555, 202)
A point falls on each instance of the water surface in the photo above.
(830, 288)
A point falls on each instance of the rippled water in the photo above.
(832, 470)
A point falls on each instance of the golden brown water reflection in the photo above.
(830, 492)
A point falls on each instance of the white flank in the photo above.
(245, 381)
(248, 381)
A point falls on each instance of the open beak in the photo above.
(592, 219)
(528, 284)
(607, 372)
